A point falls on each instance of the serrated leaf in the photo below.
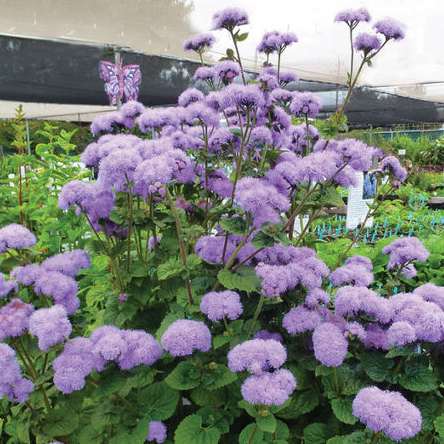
(376, 366)
(266, 423)
(400, 351)
(242, 37)
(418, 377)
(173, 267)
(220, 376)
(342, 408)
(316, 433)
(269, 235)
(190, 430)
(300, 403)
(234, 225)
(60, 422)
(181, 377)
(159, 401)
(251, 434)
(439, 425)
(244, 279)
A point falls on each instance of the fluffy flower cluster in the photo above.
(356, 270)
(216, 305)
(229, 18)
(405, 250)
(389, 412)
(12, 384)
(274, 41)
(128, 348)
(184, 336)
(156, 432)
(50, 325)
(199, 43)
(7, 286)
(302, 266)
(14, 318)
(16, 236)
(351, 16)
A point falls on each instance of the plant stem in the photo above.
(127, 404)
(243, 242)
(130, 225)
(181, 243)
(335, 377)
(351, 54)
(227, 327)
(256, 314)
(238, 56)
(279, 64)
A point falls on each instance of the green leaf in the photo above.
(159, 400)
(251, 434)
(242, 37)
(418, 377)
(219, 377)
(244, 279)
(89, 435)
(60, 422)
(300, 403)
(439, 425)
(316, 433)
(342, 408)
(269, 235)
(173, 267)
(329, 197)
(266, 423)
(400, 351)
(376, 366)
(190, 430)
(235, 225)
(184, 377)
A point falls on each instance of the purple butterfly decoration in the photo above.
(120, 80)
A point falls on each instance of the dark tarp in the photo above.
(43, 71)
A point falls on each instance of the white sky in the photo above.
(322, 53)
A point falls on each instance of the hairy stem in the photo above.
(256, 314)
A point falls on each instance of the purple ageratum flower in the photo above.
(108, 343)
(156, 432)
(132, 108)
(360, 260)
(257, 356)
(358, 155)
(50, 325)
(185, 336)
(306, 104)
(261, 199)
(155, 119)
(270, 43)
(352, 273)
(189, 96)
(204, 73)
(7, 286)
(391, 164)
(425, 317)
(106, 122)
(227, 70)
(317, 296)
(14, 318)
(67, 263)
(376, 337)
(401, 333)
(16, 236)
(199, 43)
(390, 29)
(244, 97)
(11, 382)
(405, 250)
(141, 348)
(329, 344)
(210, 248)
(366, 43)
(117, 169)
(218, 183)
(151, 242)
(356, 329)
(288, 38)
(269, 388)
(389, 412)
(299, 319)
(217, 305)
(63, 289)
(202, 114)
(229, 18)
(276, 279)
(93, 198)
(431, 293)
(353, 16)
(287, 77)
(74, 364)
(26, 275)
(264, 334)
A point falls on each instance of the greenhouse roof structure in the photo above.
(50, 54)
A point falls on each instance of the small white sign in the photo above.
(358, 198)
(297, 223)
(401, 152)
